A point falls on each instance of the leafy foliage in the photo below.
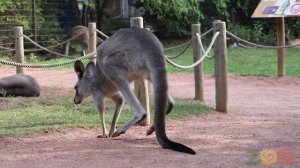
(172, 17)
(41, 16)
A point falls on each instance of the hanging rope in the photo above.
(52, 52)
(7, 49)
(101, 33)
(178, 46)
(90, 55)
(258, 45)
(43, 48)
(201, 44)
(182, 52)
(189, 42)
(53, 46)
(188, 45)
(201, 59)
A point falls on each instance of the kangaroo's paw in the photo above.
(102, 136)
(150, 130)
(111, 133)
(118, 133)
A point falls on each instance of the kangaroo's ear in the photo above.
(79, 69)
(90, 69)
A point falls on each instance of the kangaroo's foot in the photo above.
(118, 133)
(123, 129)
(150, 130)
(102, 136)
(111, 132)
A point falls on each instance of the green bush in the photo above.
(20, 13)
(255, 34)
(171, 18)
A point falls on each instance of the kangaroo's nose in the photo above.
(77, 101)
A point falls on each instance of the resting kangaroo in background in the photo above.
(19, 85)
(130, 54)
(80, 43)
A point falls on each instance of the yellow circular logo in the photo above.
(268, 157)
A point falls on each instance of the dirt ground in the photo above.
(263, 118)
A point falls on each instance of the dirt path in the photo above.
(264, 114)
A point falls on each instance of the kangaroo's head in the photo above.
(83, 84)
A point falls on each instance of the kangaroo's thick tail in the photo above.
(160, 86)
(168, 144)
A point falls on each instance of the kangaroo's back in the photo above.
(137, 48)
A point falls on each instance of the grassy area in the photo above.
(241, 61)
(25, 116)
(258, 62)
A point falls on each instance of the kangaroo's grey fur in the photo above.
(19, 85)
(91, 81)
(128, 55)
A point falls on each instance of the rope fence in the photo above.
(168, 58)
(101, 33)
(43, 48)
(56, 45)
(182, 52)
(202, 58)
(5, 49)
(90, 55)
(178, 46)
(195, 40)
(258, 45)
(187, 45)
(220, 55)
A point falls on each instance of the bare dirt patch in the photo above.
(264, 113)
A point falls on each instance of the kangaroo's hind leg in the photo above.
(169, 109)
(117, 98)
(118, 77)
(66, 48)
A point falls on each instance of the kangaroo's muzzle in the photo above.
(77, 101)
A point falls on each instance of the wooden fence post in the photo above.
(220, 48)
(280, 42)
(198, 70)
(19, 44)
(92, 45)
(141, 87)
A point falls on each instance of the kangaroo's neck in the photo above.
(101, 82)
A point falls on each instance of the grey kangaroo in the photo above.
(129, 54)
(19, 85)
(80, 43)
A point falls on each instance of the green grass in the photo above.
(241, 61)
(27, 116)
(245, 62)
